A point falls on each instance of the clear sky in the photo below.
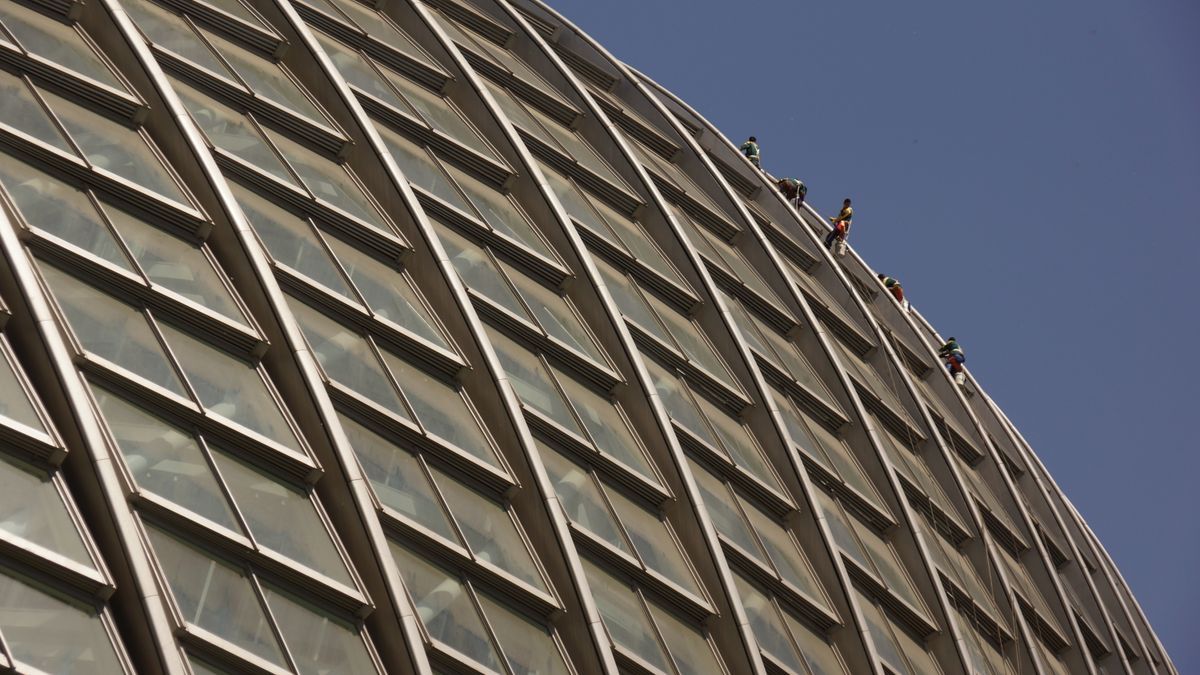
(1029, 170)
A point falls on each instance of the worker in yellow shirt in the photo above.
(841, 225)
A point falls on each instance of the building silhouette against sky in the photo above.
(428, 338)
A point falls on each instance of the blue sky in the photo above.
(1029, 170)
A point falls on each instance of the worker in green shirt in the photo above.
(751, 151)
(841, 225)
(792, 188)
(894, 287)
(953, 354)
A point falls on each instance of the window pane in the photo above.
(688, 336)
(388, 292)
(49, 204)
(440, 114)
(238, 10)
(688, 647)
(112, 330)
(445, 608)
(347, 358)
(769, 631)
(175, 264)
(638, 242)
(55, 42)
(789, 560)
(679, 404)
(165, 460)
(604, 424)
(489, 530)
(630, 303)
(818, 653)
(282, 518)
(528, 648)
(398, 479)
(441, 409)
(478, 272)
(32, 508)
(624, 617)
(329, 182)
(725, 517)
(842, 536)
(14, 403)
(579, 148)
(320, 645)
(531, 382)
(499, 212)
(576, 206)
(266, 79)
(653, 541)
(555, 315)
(290, 240)
(20, 110)
(580, 497)
(229, 387)
(52, 635)
(215, 596)
(382, 28)
(740, 444)
(356, 71)
(232, 132)
(420, 169)
(839, 453)
(888, 565)
(881, 636)
(116, 148)
(169, 31)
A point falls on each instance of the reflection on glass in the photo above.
(267, 79)
(112, 330)
(32, 508)
(531, 382)
(445, 608)
(440, 114)
(115, 148)
(688, 647)
(881, 637)
(14, 404)
(490, 530)
(229, 387)
(782, 550)
(330, 182)
(57, 208)
(165, 460)
(499, 212)
(769, 631)
(347, 358)
(478, 272)
(580, 497)
(819, 653)
(398, 479)
(170, 32)
(528, 648)
(604, 424)
(281, 517)
(55, 42)
(357, 72)
(721, 508)
(653, 541)
(629, 301)
(555, 315)
(50, 634)
(19, 109)
(215, 596)
(318, 643)
(624, 617)
(421, 170)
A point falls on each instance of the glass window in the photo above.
(531, 382)
(722, 509)
(767, 624)
(555, 314)
(175, 264)
(20, 110)
(215, 596)
(576, 205)
(165, 460)
(478, 272)
(445, 608)
(232, 132)
(61, 210)
(499, 212)
(14, 403)
(169, 31)
(578, 148)
(888, 565)
(319, 644)
(237, 9)
(629, 301)
(113, 147)
(398, 478)
(441, 409)
(842, 536)
(347, 358)
(229, 387)
(490, 530)
(380, 27)
(820, 655)
(782, 550)
(31, 507)
(281, 517)
(421, 170)
(739, 443)
(638, 242)
(267, 79)
(440, 114)
(290, 240)
(687, 336)
(688, 647)
(528, 648)
(679, 403)
(56, 42)
(330, 182)
(580, 497)
(603, 422)
(112, 330)
(624, 616)
(388, 292)
(358, 72)
(881, 636)
(51, 634)
(655, 543)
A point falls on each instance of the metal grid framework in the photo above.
(427, 337)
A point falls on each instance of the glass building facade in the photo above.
(422, 336)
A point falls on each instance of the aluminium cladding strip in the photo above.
(557, 379)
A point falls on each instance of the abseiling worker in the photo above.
(751, 151)
(841, 224)
(953, 354)
(793, 189)
(894, 288)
